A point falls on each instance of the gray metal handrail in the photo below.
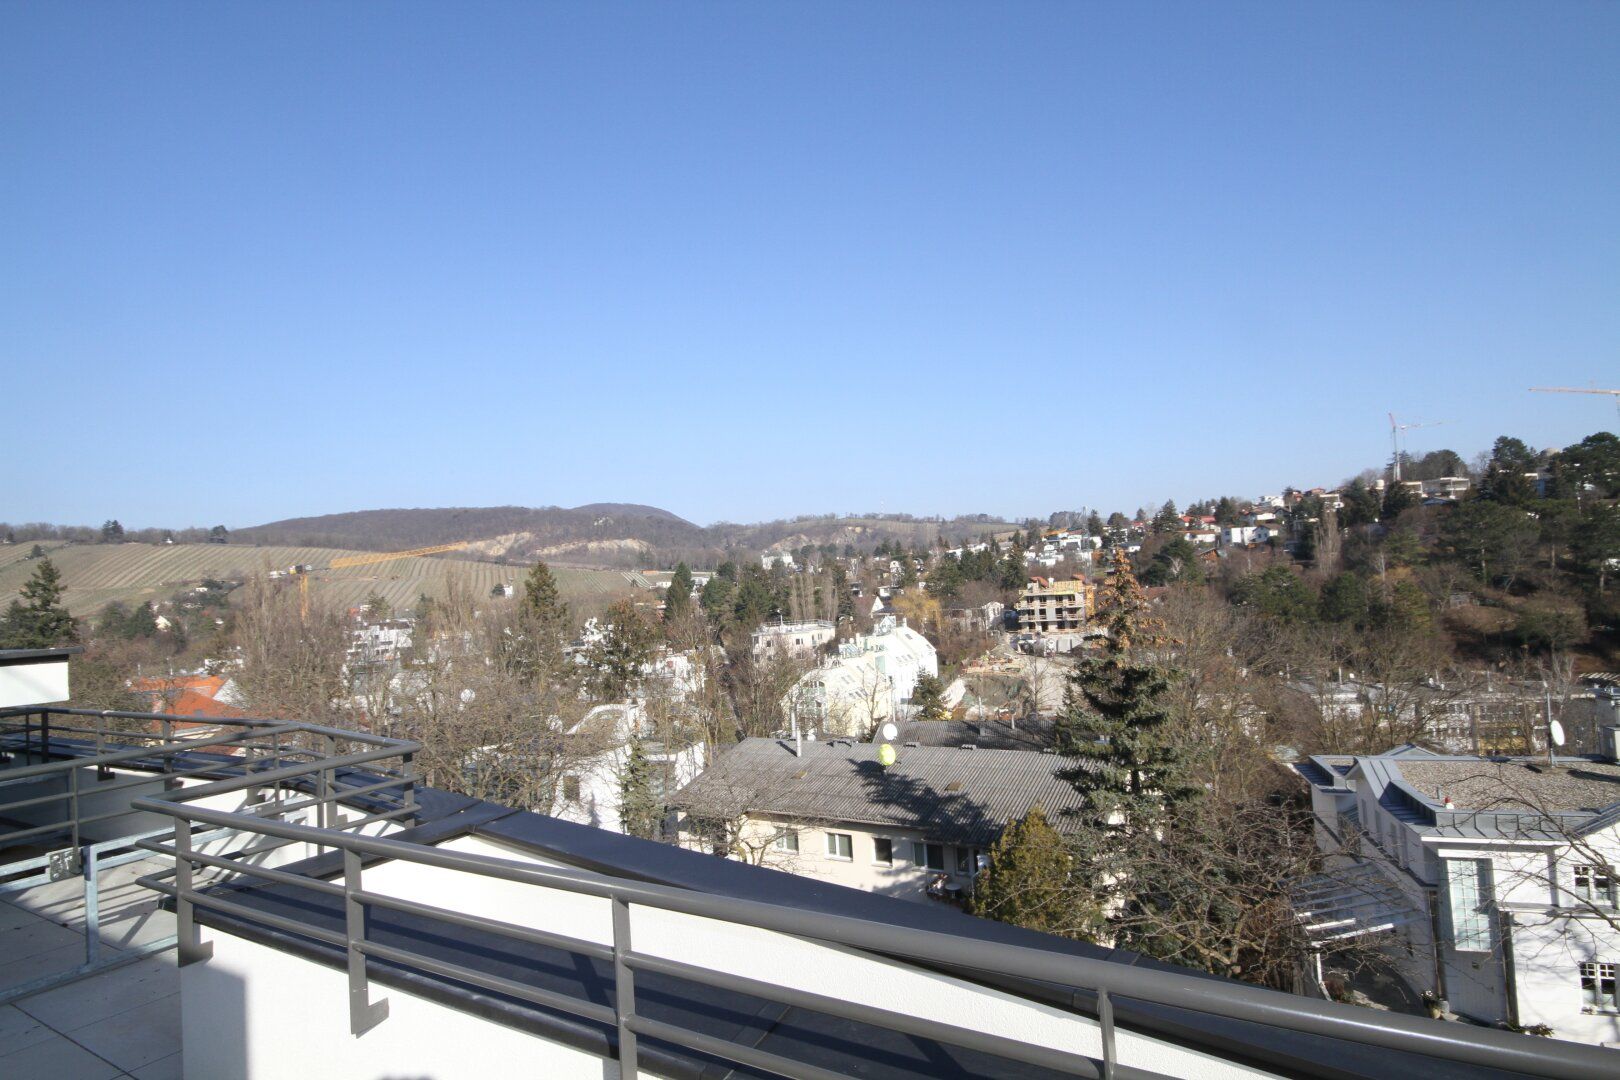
(1468, 1045)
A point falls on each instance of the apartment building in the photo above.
(1046, 606)
(1490, 882)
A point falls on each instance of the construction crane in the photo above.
(1395, 430)
(1577, 390)
(302, 571)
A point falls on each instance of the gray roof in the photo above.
(1030, 733)
(948, 793)
(1573, 785)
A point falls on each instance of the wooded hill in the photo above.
(605, 534)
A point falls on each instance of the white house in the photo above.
(800, 640)
(589, 789)
(1490, 881)
(869, 681)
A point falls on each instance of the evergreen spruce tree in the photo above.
(38, 620)
(542, 604)
(1030, 882)
(928, 698)
(640, 810)
(1113, 724)
(678, 601)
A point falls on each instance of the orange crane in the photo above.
(302, 571)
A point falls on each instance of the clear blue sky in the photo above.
(748, 260)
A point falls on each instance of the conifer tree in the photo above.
(640, 810)
(1113, 723)
(1030, 882)
(38, 620)
(542, 604)
(678, 601)
(928, 698)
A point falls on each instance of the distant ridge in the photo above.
(621, 535)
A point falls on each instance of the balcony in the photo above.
(332, 917)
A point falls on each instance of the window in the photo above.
(1469, 893)
(785, 840)
(1594, 885)
(840, 845)
(964, 861)
(571, 788)
(883, 850)
(1598, 987)
(929, 855)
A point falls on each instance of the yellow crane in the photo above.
(302, 571)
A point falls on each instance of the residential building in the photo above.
(868, 682)
(917, 829)
(590, 788)
(980, 618)
(1491, 882)
(771, 559)
(1047, 606)
(799, 641)
(1447, 487)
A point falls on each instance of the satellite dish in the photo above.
(886, 755)
(1556, 730)
(889, 732)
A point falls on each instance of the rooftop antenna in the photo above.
(1395, 429)
(1577, 390)
(1555, 730)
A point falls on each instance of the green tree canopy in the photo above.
(640, 809)
(928, 698)
(678, 600)
(1030, 882)
(38, 620)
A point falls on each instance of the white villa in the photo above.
(870, 681)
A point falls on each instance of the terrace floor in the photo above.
(116, 1024)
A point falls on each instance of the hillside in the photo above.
(603, 534)
(98, 574)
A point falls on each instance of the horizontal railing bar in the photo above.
(602, 1014)
(1476, 1046)
(235, 866)
(495, 926)
(731, 1051)
(1029, 1053)
(222, 721)
(270, 776)
(247, 914)
(136, 753)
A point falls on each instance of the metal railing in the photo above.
(73, 755)
(970, 957)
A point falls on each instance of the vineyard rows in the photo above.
(95, 575)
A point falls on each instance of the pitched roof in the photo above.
(192, 703)
(949, 793)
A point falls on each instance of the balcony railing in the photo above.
(993, 962)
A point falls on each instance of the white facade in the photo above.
(1504, 921)
(800, 641)
(868, 683)
(589, 791)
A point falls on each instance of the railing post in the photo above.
(88, 859)
(73, 803)
(408, 767)
(323, 786)
(188, 939)
(624, 989)
(1105, 1021)
(363, 1015)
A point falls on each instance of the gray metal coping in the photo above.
(817, 1038)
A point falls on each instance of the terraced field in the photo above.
(95, 575)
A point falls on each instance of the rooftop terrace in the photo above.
(334, 918)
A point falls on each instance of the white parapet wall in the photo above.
(33, 682)
(252, 1010)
